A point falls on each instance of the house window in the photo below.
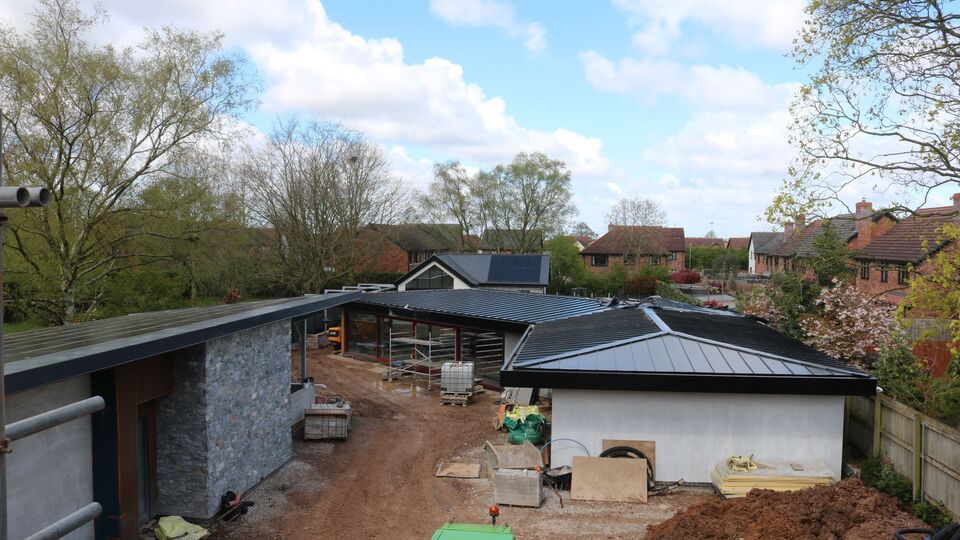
(672, 256)
(654, 260)
(434, 278)
(629, 259)
(884, 273)
(769, 260)
(598, 260)
(864, 270)
(902, 276)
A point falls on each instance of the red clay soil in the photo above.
(847, 510)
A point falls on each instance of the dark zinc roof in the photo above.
(479, 270)
(669, 349)
(487, 304)
(577, 333)
(40, 356)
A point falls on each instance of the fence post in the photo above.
(917, 456)
(877, 423)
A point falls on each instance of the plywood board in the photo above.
(609, 479)
(649, 448)
(459, 470)
(509, 456)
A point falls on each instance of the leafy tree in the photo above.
(936, 291)
(94, 125)
(882, 99)
(566, 264)
(832, 259)
(847, 324)
(526, 199)
(783, 302)
(582, 229)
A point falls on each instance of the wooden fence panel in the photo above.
(941, 464)
(896, 435)
(860, 425)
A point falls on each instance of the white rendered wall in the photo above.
(751, 259)
(694, 432)
(49, 474)
(457, 282)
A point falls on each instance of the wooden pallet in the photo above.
(454, 398)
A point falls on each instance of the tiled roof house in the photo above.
(663, 246)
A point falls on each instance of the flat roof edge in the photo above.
(31, 372)
(685, 382)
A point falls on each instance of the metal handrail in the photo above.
(64, 526)
(53, 418)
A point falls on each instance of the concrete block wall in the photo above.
(226, 425)
(49, 474)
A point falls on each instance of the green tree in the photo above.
(526, 199)
(455, 194)
(94, 124)
(784, 302)
(883, 99)
(936, 292)
(582, 229)
(832, 259)
(566, 264)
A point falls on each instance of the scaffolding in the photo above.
(418, 353)
(485, 350)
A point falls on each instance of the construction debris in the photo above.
(459, 470)
(327, 421)
(736, 477)
(177, 528)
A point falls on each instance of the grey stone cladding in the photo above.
(226, 425)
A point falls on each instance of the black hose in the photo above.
(631, 452)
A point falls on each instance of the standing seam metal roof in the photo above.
(665, 340)
(491, 304)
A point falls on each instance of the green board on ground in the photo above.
(470, 531)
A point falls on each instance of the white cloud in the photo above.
(368, 84)
(757, 23)
(493, 13)
(702, 86)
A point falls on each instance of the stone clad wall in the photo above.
(182, 437)
(248, 402)
(225, 427)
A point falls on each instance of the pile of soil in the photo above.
(846, 510)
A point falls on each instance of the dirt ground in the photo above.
(380, 482)
(846, 510)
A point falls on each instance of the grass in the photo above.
(20, 326)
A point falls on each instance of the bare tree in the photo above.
(453, 194)
(639, 220)
(314, 188)
(93, 124)
(883, 101)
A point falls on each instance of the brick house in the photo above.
(402, 247)
(760, 247)
(661, 246)
(890, 255)
(738, 242)
(856, 230)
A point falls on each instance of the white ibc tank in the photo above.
(457, 377)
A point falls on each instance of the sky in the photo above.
(684, 102)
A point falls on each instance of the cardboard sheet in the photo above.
(609, 479)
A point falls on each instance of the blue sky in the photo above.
(684, 102)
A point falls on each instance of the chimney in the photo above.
(864, 222)
(788, 228)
